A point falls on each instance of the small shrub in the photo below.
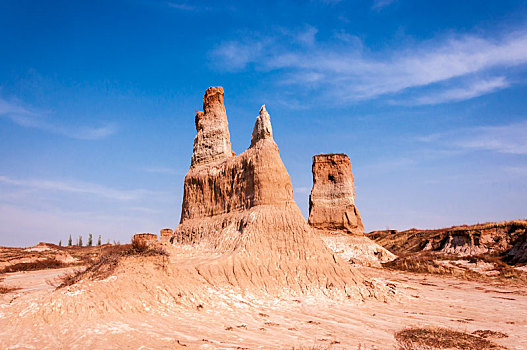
(139, 245)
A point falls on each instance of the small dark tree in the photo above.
(99, 240)
(69, 242)
(80, 241)
(60, 243)
(90, 240)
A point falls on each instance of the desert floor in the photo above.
(285, 324)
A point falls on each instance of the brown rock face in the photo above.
(262, 127)
(144, 239)
(165, 234)
(334, 216)
(507, 240)
(235, 184)
(242, 208)
(213, 140)
(332, 199)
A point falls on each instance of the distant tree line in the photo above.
(79, 241)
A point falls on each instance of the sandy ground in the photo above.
(31, 281)
(283, 324)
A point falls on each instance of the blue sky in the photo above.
(97, 104)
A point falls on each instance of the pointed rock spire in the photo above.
(262, 127)
(213, 140)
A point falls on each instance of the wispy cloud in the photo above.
(307, 36)
(235, 55)
(184, 6)
(380, 4)
(51, 224)
(473, 89)
(31, 118)
(508, 139)
(78, 187)
(348, 72)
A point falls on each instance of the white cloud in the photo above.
(516, 170)
(13, 108)
(22, 226)
(348, 72)
(380, 4)
(508, 139)
(234, 55)
(29, 118)
(78, 187)
(183, 6)
(307, 36)
(33, 210)
(472, 90)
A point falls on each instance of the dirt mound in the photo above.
(503, 239)
(357, 249)
(41, 256)
(492, 252)
(49, 256)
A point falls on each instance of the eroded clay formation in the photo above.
(213, 140)
(334, 216)
(144, 239)
(332, 199)
(165, 234)
(243, 206)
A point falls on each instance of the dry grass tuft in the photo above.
(441, 338)
(6, 289)
(487, 333)
(422, 263)
(49, 263)
(430, 263)
(108, 262)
